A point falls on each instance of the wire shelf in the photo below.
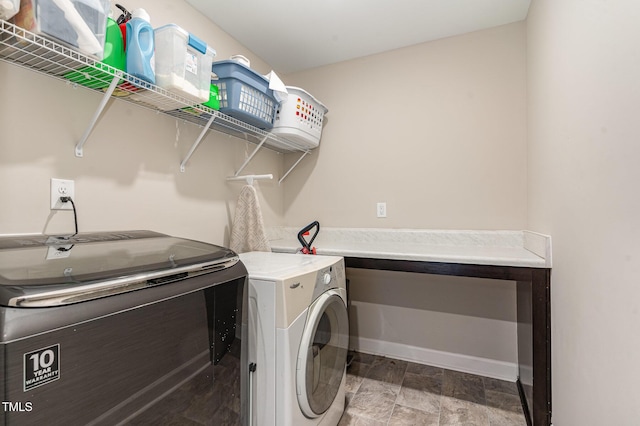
(32, 51)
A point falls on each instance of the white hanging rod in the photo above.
(250, 178)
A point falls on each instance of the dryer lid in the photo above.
(32, 265)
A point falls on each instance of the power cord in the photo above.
(75, 213)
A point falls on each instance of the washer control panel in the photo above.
(330, 277)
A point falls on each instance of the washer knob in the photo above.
(326, 278)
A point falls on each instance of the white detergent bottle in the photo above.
(140, 46)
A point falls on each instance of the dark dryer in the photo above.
(121, 328)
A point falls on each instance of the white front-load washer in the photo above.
(298, 338)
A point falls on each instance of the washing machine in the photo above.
(298, 338)
(121, 328)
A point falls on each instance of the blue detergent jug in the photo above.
(140, 47)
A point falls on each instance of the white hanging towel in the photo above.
(248, 233)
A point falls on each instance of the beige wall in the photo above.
(438, 131)
(129, 177)
(583, 80)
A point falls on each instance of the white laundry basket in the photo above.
(300, 118)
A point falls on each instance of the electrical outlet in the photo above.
(62, 188)
(381, 209)
(54, 253)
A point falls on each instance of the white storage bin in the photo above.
(300, 118)
(183, 63)
(8, 8)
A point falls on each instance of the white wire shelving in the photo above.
(37, 53)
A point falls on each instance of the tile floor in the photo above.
(386, 391)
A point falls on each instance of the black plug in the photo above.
(65, 199)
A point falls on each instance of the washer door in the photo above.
(322, 357)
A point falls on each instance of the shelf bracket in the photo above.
(293, 167)
(97, 114)
(255, 151)
(196, 143)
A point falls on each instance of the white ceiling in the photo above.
(293, 35)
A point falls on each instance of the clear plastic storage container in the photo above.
(97, 76)
(183, 63)
(81, 24)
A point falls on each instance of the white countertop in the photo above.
(500, 248)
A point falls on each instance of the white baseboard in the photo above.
(452, 361)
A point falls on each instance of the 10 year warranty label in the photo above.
(41, 367)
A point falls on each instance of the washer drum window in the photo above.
(323, 350)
